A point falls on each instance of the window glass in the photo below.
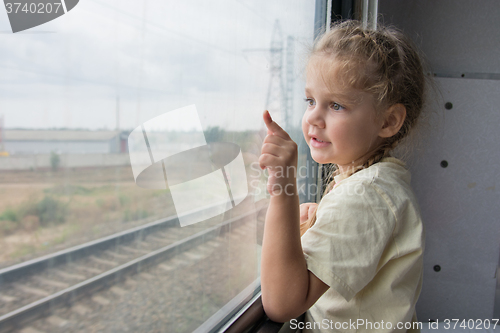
(129, 138)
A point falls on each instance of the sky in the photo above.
(149, 57)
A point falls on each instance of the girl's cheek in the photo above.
(344, 137)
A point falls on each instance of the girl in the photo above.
(358, 265)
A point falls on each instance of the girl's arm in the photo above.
(288, 287)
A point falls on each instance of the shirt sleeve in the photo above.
(353, 227)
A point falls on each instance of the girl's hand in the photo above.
(279, 156)
(306, 210)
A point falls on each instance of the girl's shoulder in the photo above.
(389, 172)
(386, 183)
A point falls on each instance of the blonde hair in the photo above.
(382, 62)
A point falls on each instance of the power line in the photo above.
(171, 31)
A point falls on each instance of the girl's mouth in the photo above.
(316, 143)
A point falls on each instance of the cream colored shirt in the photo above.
(367, 245)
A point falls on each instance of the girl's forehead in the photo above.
(330, 74)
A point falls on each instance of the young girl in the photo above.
(358, 265)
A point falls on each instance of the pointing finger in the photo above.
(273, 127)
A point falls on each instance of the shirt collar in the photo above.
(340, 177)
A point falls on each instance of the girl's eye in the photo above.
(336, 106)
(309, 101)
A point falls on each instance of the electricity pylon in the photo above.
(279, 99)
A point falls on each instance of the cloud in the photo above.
(156, 55)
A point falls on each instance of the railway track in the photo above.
(37, 288)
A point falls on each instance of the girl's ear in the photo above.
(394, 119)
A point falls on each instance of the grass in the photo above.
(137, 214)
(32, 214)
(23, 250)
(69, 230)
(65, 208)
(69, 189)
(7, 227)
(9, 215)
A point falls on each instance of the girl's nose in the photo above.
(315, 117)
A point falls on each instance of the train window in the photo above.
(130, 193)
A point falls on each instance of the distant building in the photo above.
(17, 142)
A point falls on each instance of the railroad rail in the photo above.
(95, 266)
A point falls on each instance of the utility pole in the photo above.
(2, 137)
(290, 81)
(279, 99)
(117, 112)
(276, 98)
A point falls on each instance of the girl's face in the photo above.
(340, 124)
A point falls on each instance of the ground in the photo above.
(42, 211)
